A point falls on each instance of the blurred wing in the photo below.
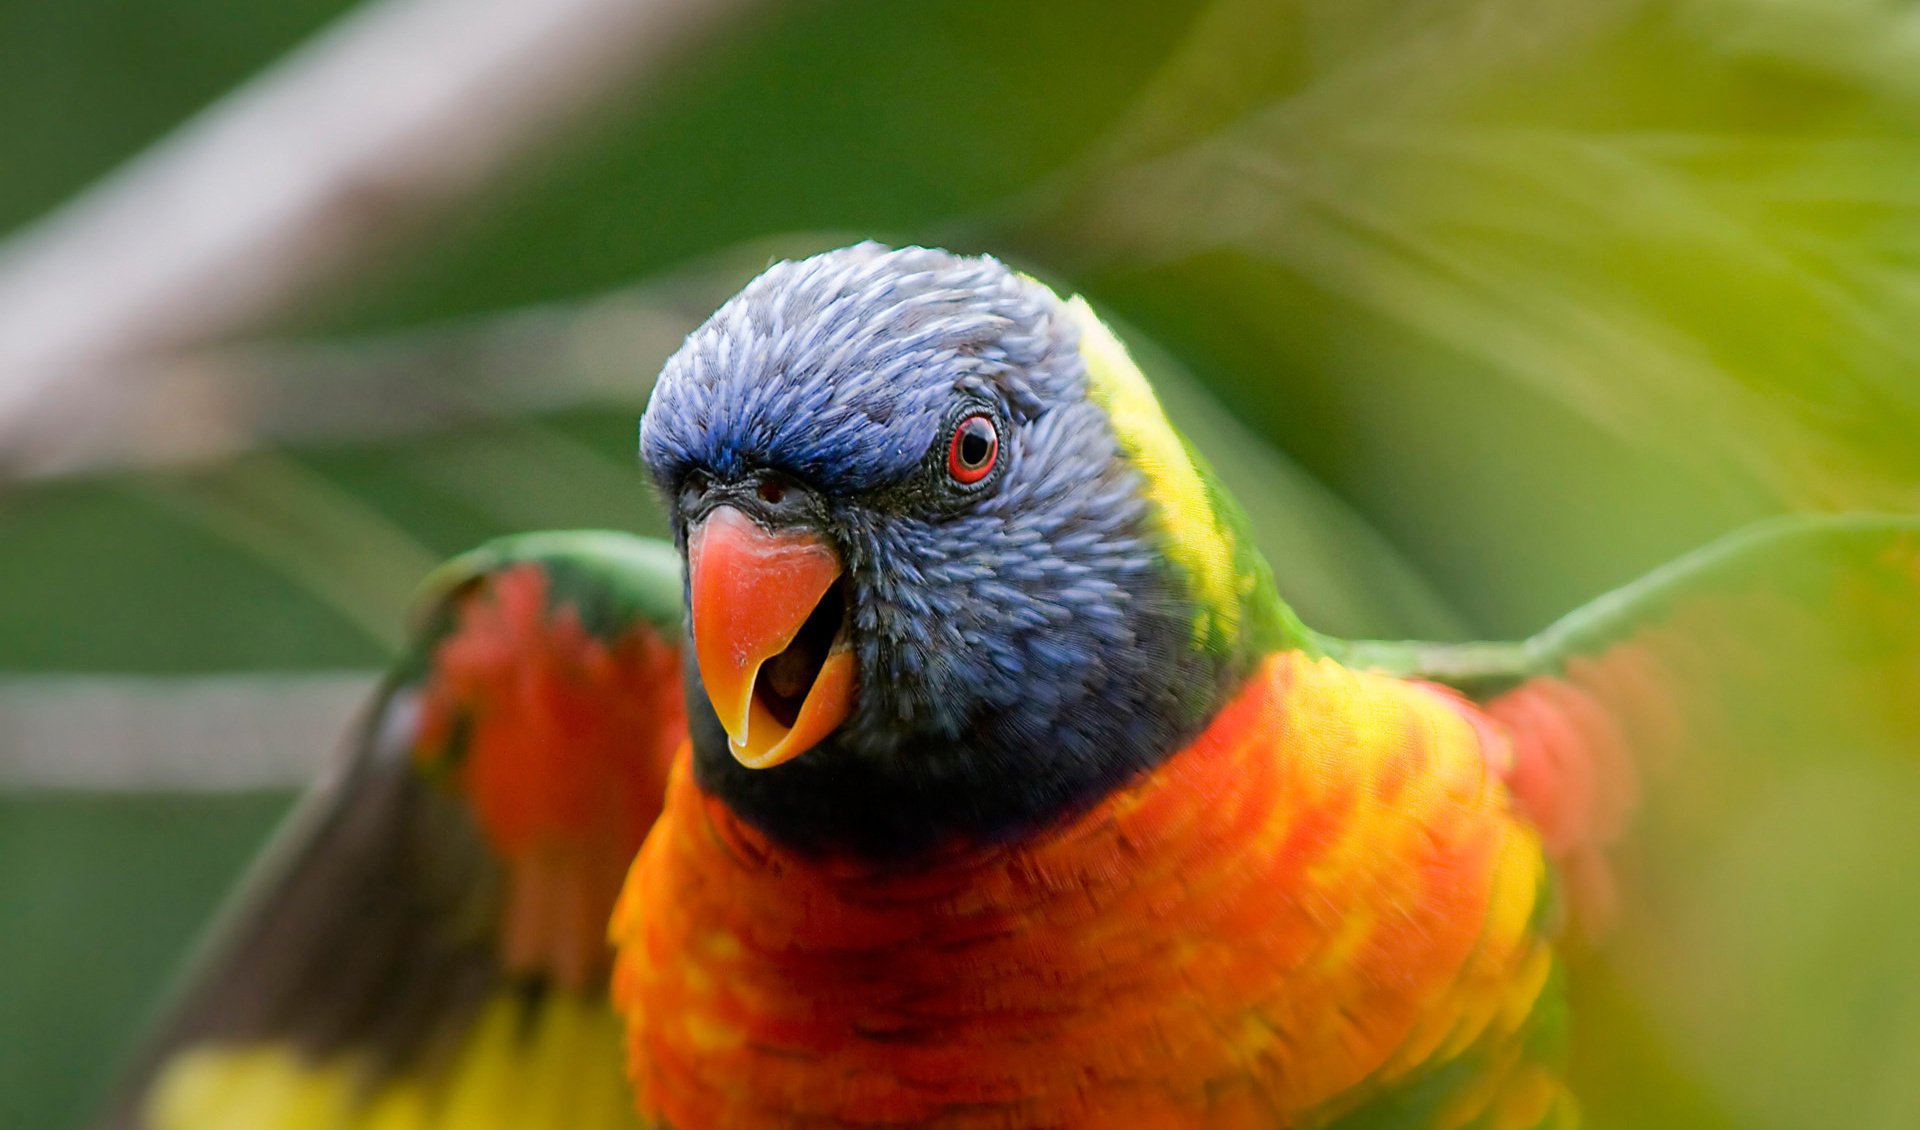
(425, 945)
(1794, 643)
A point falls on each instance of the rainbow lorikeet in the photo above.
(995, 785)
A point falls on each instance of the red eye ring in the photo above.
(974, 449)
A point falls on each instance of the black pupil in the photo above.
(976, 443)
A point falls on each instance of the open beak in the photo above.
(768, 632)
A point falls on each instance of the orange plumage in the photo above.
(1324, 896)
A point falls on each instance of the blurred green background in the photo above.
(1483, 308)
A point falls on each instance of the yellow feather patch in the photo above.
(558, 1069)
(1196, 541)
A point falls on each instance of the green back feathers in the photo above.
(610, 577)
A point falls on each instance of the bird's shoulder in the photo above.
(1428, 981)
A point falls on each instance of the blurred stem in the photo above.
(220, 403)
(310, 531)
(125, 733)
(529, 475)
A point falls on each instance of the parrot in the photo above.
(959, 763)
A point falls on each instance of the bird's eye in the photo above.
(975, 448)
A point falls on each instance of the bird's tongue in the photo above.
(766, 621)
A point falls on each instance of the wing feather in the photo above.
(423, 945)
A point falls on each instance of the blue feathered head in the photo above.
(949, 575)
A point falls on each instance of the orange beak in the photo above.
(767, 635)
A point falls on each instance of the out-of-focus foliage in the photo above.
(1690, 226)
(1502, 303)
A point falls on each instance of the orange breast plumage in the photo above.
(1319, 905)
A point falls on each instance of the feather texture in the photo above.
(1319, 904)
(428, 948)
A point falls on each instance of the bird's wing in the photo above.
(425, 945)
(1795, 642)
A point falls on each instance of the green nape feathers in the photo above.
(1236, 607)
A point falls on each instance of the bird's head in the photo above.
(949, 570)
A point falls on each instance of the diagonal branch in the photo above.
(287, 185)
